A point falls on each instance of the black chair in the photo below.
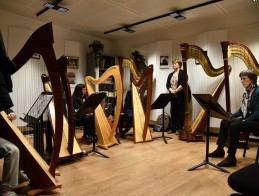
(246, 139)
(246, 180)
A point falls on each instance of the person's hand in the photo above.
(172, 91)
(11, 116)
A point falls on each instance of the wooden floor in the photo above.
(152, 168)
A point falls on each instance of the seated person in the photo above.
(11, 174)
(128, 113)
(245, 119)
(79, 96)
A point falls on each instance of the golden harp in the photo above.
(106, 134)
(34, 166)
(192, 131)
(241, 51)
(144, 83)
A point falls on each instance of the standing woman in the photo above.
(79, 96)
(175, 85)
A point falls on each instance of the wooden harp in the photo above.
(69, 146)
(241, 51)
(34, 166)
(106, 133)
(193, 131)
(144, 83)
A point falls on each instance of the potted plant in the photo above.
(138, 57)
(97, 50)
(139, 60)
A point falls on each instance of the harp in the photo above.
(69, 145)
(39, 42)
(106, 133)
(192, 131)
(140, 116)
(241, 51)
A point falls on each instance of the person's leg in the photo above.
(88, 128)
(234, 134)
(173, 112)
(180, 113)
(129, 119)
(11, 164)
(222, 138)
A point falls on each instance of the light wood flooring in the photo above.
(151, 168)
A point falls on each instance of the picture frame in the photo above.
(73, 62)
(164, 62)
(36, 56)
(71, 77)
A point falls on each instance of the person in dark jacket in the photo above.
(175, 85)
(79, 96)
(244, 119)
(7, 68)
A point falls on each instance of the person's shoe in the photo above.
(23, 177)
(217, 153)
(228, 162)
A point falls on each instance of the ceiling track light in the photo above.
(128, 30)
(54, 6)
(165, 15)
(177, 16)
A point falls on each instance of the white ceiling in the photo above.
(94, 17)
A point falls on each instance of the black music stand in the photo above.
(88, 107)
(34, 118)
(213, 109)
(160, 103)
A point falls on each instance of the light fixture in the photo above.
(128, 30)
(177, 16)
(180, 17)
(55, 7)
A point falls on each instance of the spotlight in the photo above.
(177, 16)
(55, 7)
(128, 30)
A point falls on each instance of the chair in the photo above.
(246, 138)
(245, 180)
